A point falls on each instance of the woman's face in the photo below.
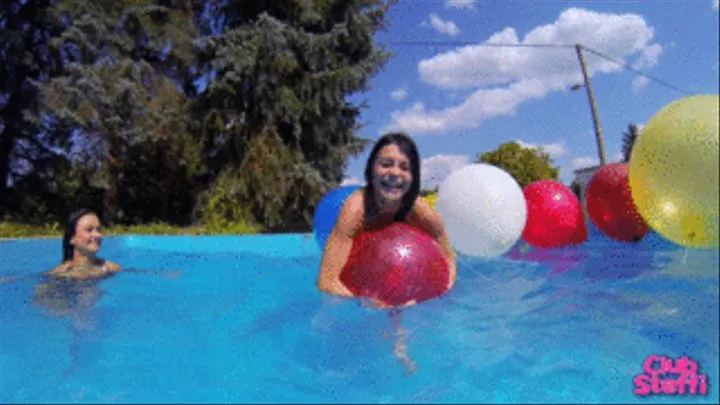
(88, 235)
(391, 173)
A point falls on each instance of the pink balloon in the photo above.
(555, 217)
(396, 264)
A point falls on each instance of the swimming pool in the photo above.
(242, 321)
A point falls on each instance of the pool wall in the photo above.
(277, 245)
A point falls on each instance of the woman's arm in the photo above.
(57, 271)
(426, 218)
(339, 245)
(162, 273)
(112, 267)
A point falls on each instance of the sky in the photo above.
(457, 98)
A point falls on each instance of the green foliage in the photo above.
(628, 141)
(24, 56)
(525, 165)
(219, 207)
(103, 111)
(283, 71)
(15, 230)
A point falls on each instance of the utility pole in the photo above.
(593, 107)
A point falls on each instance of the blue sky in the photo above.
(458, 100)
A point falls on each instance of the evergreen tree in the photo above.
(125, 67)
(26, 144)
(275, 112)
(628, 140)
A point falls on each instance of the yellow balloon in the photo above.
(431, 199)
(673, 172)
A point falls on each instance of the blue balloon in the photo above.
(328, 211)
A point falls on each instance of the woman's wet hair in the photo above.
(408, 148)
(70, 228)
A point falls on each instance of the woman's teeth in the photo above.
(392, 185)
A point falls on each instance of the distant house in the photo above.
(583, 177)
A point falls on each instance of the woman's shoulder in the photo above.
(110, 266)
(422, 208)
(355, 203)
(352, 214)
(62, 268)
(425, 216)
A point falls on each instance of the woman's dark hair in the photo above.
(70, 227)
(407, 146)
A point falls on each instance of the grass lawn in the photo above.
(12, 230)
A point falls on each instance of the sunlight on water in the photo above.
(562, 326)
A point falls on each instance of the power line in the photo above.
(540, 46)
(641, 73)
(464, 43)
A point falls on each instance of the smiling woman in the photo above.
(81, 244)
(392, 177)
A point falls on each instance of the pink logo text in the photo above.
(666, 376)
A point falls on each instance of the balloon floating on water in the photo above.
(396, 264)
(328, 211)
(674, 172)
(483, 209)
(555, 216)
(609, 204)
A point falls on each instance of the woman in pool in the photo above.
(80, 246)
(392, 177)
(71, 288)
(81, 243)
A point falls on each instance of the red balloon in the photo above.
(609, 204)
(555, 217)
(396, 264)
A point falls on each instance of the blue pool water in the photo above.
(238, 319)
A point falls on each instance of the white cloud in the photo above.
(465, 4)
(639, 83)
(505, 78)
(648, 58)
(583, 162)
(352, 181)
(715, 4)
(435, 169)
(399, 94)
(442, 26)
(555, 150)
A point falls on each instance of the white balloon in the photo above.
(484, 210)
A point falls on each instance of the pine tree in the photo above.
(125, 67)
(276, 111)
(629, 138)
(26, 144)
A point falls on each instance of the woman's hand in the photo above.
(452, 272)
(377, 304)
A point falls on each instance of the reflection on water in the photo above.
(73, 300)
(530, 327)
(549, 312)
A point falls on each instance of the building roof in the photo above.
(593, 168)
